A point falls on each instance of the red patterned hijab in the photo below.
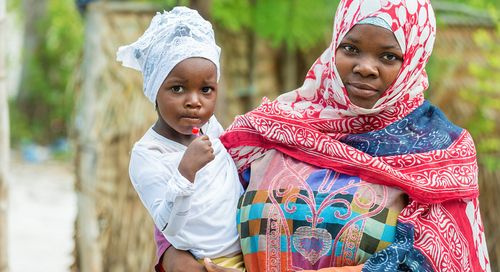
(308, 122)
(323, 96)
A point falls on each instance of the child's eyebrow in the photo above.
(175, 80)
(209, 81)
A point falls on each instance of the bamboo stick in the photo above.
(4, 145)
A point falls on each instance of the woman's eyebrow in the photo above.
(355, 40)
(391, 46)
(350, 39)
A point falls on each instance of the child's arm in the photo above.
(197, 155)
(163, 190)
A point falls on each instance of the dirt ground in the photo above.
(42, 209)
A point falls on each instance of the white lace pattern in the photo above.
(171, 38)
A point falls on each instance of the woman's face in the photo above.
(187, 97)
(368, 60)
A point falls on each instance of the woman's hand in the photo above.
(211, 267)
(175, 260)
(339, 269)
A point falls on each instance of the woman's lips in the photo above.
(362, 90)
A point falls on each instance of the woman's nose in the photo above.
(366, 67)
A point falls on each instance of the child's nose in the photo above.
(192, 100)
(366, 67)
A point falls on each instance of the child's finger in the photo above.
(204, 137)
(206, 140)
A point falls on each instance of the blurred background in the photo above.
(69, 113)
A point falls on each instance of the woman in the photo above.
(355, 169)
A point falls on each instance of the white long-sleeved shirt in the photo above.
(200, 216)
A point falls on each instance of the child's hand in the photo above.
(211, 267)
(197, 155)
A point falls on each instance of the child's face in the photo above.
(187, 96)
(368, 60)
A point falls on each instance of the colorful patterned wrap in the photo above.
(323, 172)
(312, 217)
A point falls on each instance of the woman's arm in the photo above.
(171, 259)
(175, 260)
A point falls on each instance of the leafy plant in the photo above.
(297, 24)
(47, 102)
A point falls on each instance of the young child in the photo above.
(187, 182)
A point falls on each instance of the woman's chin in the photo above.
(365, 104)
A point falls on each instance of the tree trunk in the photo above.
(202, 6)
(4, 145)
(33, 12)
(89, 253)
(290, 70)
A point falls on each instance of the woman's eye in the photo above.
(176, 89)
(206, 90)
(390, 57)
(350, 49)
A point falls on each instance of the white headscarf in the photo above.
(171, 38)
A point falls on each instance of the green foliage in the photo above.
(298, 23)
(47, 101)
(163, 3)
(485, 98)
(232, 15)
(13, 4)
(480, 4)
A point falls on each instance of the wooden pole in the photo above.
(89, 252)
(33, 11)
(202, 6)
(4, 144)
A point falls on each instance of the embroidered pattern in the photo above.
(309, 217)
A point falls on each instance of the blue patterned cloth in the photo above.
(400, 255)
(423, 130)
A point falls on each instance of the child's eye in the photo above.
(177, 89)
(207, 90)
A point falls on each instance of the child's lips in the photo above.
(192, 119)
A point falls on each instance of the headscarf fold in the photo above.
(170, 38)
(309, 122)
